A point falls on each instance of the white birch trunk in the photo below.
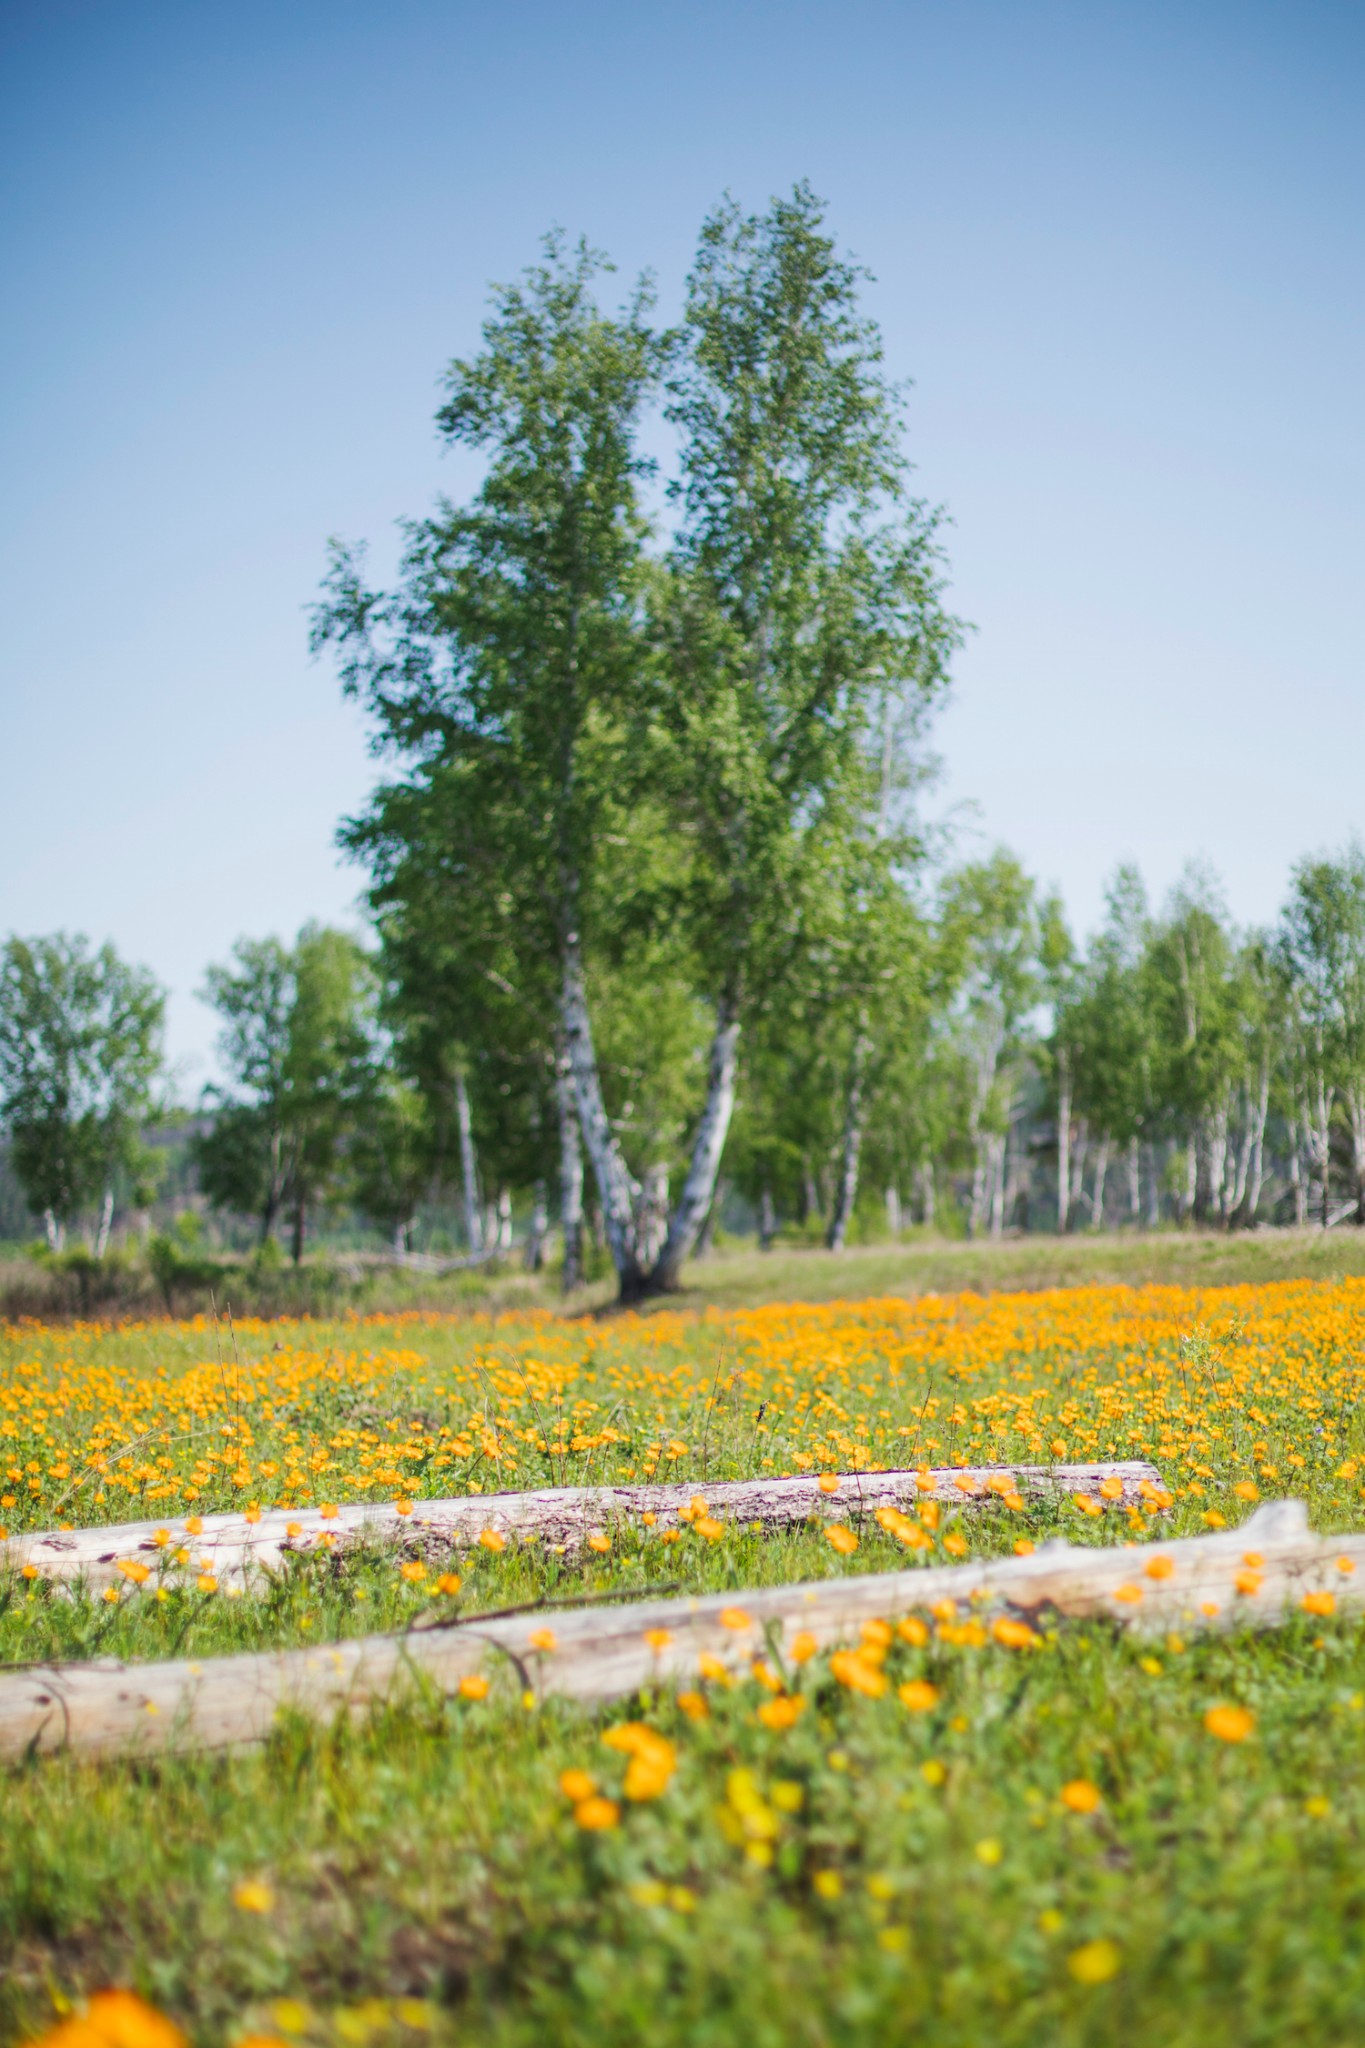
(846, 1193)
(570, 1174)
(473, 1220)
(616, 1189)
(893, 1211)
(1134, 1181)
(1063, 1141)
(925, 1192)
(767, 1220)
(105, 1224)
(700, 1186)
(1101, 1174)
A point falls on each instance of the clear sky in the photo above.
(1118, 247)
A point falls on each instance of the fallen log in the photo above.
(1250, 1576)
(232, 1546)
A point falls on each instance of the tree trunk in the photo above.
(995, 1155)
(847, 1191)
(1191, 1181)
(616, 1188)
(101, 1244)
(1153, 1187)
(767, 1219)
(706, 1237)
(535, 1233)
(1063, 1141)
(700, 1186)
(1134, 1182)
(810, 1197)
(1101, 1172)
(926, 1193)
(1296, 1175)
(1252, 1197)
(473, 1220)
(570, 1174)
(503, 1238)
(1355, 1110)
(300, 1223)
(893, 1211)
(1080, 1151)
(651, 1215)
(56, 1232)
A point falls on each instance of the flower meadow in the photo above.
(944, 1831)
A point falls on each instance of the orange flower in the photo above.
(134, 1569)
(857, 1671)
(412, 1571)
(1087, 1504)
(577, 1786)
(1159, 1567)
(1248, 1582)
(782, 1713)
(828, 1482)
(913, 1631)
(841, 1538)
(1346, 1564)
(1129, 1594)
(735, 1618)
(327, 1511)
(449, 1583)
(252, 1896)
(1229, 1724)
(543, 1639)
(598, 1542)
(115, 2019)
(402, 1507)
(1012, 1634)
(658, 1638)
(709, 1527)
(802, 1647)
(596, 1814)
(207, 1583)
(1319, 1603)
(918, 1695)
(1111, 1488)
(492, 1539)
(693, 1704)
(955, 1545)
(474, 1686)
(712, 1668)
(1080, 1795)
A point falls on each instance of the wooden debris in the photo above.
(1249, 1576)
(232, 1547)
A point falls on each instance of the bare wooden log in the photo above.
(232, 1547)
(1250, 1576)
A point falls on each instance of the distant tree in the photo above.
(1322, 946)
(299, 1044)
(80, 1051)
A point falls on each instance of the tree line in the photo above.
(655, 928)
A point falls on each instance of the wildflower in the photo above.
(474, 1686)
(207, 1583)
(1151, 1665)
(413, 1571)
(115, 2019)
(1087, 1504)
(787, 1796)
(1346, 1564)
(194, 1525)
(990, 1851)
(841, 1538)
(735, 1618)
(709, 1527)
(402, 1507)
(713, 1668)
(1013, 1635)
(161, 1537)
(876, 1637)
(1159, 1567)
(1248, 1582)
(1229, 1724)
(596, 1814)
(918, 1695)
(134, 1569)
(252, 1896)
(802, 1647)
(1095, 1962)
(111, 1594)
(913, 1631)
(856, 1671)
(1111, 1488)
(449, 1583)
(577, 1786)
(1319, 1603)
(543, 1639)
(252, 1514)
(1080, 1795)
(783, 1712)
(828, 1482)
(693, 1704)
(1129, 1594)
(1317, 1808)
(492, 1539)
(1247, 1489)
(955, 1545)
(1023, 1548)
(598, 1542)
(328, 1511)
(827, 1884)
(1214, 1519)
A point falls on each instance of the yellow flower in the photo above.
(1229, 1724)
(115, 2019)
(828, 1884)
(253, 1896)
(658, 1638)
(1319, 1603)
(1095, 1962)
(841, 1538)
(802, 1647)
(412, 1571)
(955, 1545)
(913, 1631)
(693, 1704)
(1317, 1807)
(1080, 1795)
(207, 1583)
(577, 1786)
(474, 1686)
(990, 1851)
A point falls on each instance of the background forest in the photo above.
(660, 943)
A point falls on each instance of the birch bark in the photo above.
(473, 1219)
(700, 1186)
(1063, 1140)
(616, 1187)
(570, 1174)
(847, 1191)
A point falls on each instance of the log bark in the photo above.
(235, 1549)
(106, 1708)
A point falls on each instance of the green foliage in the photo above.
(80, 1036)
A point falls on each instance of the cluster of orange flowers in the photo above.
(1231, 1391)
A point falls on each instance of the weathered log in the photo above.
(1249, 1576)
(232, 1547)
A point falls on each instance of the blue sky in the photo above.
(1117, 247)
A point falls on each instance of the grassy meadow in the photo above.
(939, 1836)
